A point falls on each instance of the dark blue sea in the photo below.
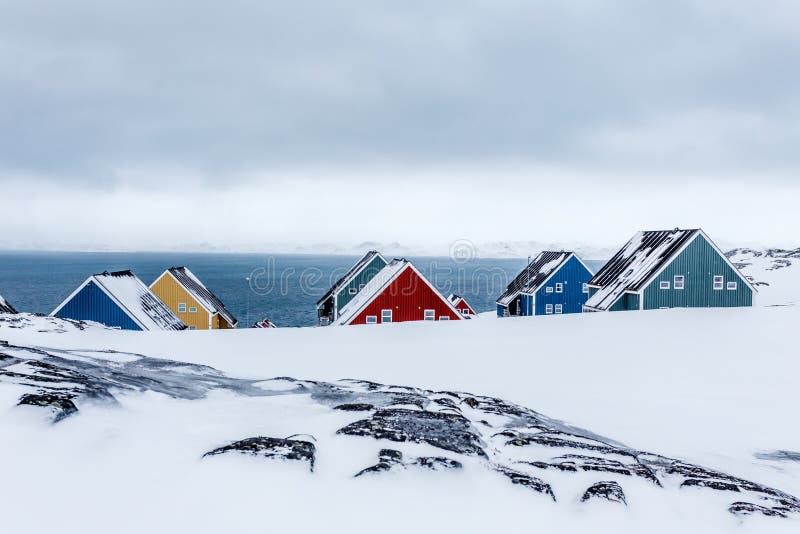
(283, 288)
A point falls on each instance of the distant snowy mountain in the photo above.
(775, 273)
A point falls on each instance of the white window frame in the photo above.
(465, 311)
(548, 309)
(385, 314)
(372, 319)
(429, 315)
(192, 327)
(444, 317)
(559, 287)
(181, 307)
(548, 289)
(678, 281)
(559, 309)
(192, 309)
(732, 285)
(585, 288)
(718, 286)
(664, 284)
(352, 291)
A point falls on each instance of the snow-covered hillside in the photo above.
(776, 273)
(473, 426)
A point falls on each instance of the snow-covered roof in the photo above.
(135, 298)
(382, 279)
(453, 298)
(634, 264)
(201, 293)
(534, 275)
(5, 307)
(349, 275)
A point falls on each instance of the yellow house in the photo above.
(190, 300)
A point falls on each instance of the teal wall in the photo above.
(362, 278)
(699, 262)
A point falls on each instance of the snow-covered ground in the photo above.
(711, 388)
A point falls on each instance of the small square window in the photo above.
(444, 317)
(465, 311)
(372, 319)
(548, 309)
(549, 289)
(182, 307)
(430, 315)
(386, 316)
(585, 288)
(559, 308)
(732, 286)
(719, 282)
(352, 291)
(192, 309)
(664, 284)
(678, 281)
(192, 327)
(559, 287)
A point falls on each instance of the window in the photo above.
(678, 281)
(549, 289)
(719, 282)
(386, 316)
(559, 307)
(372, 319)
(192, 309)
(360, 287)
(444, 317)
(559, 287)
(465, 312)
(585, 287)
(732, 286)
(664, 284)
(352, 291)
(548, 309)
(181, 307)
(192, 327)
(430, 315)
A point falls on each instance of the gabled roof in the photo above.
(134, 298)
(535, 274)
(199, 292)
(5, 307)
(375, 287)
(349, 275)
(632, 267)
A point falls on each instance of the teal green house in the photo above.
(348, 286)
(668, 269)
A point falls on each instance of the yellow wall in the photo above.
(172, 293)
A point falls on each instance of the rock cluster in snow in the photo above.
(544, 455)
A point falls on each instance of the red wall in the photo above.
(462, 305)
(408, 297)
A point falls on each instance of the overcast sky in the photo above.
(239, 124)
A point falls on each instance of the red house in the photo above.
(461, 305)
(398, 293)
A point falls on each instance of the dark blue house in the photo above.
(555, 282)
(119, 300)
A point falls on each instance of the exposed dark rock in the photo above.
(446, 431)
(389, 459)
(608, 490)
(559, 439)
(355, 407)
(778, 456)
(746, 508)
(438, 463)
(711, 484)
(61, 405)
(528, 481)
(288, 449)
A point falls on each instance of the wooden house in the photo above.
(553, 283)
(668, 269)
(192, 301)
(348, 286)
(398, 293)
(461, 305)
(118, 299)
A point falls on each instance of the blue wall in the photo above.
(92, 304)
(573, 275)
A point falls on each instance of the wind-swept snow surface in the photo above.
(663, 421)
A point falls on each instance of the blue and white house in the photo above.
(555, 282)
(118, 300)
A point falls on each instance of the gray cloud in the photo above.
(90, 89)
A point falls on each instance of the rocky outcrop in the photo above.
(60, 405)
(286, 449)
(608, 490)
(391, 459)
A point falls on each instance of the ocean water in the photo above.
(283, 288)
